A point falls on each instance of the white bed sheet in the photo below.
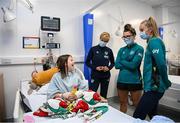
(24, 87)
(36, 99)
(112, 116)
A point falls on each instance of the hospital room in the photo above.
(90, 61)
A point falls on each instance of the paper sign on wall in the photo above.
(31, 42)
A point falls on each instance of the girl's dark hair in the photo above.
(62, 62)
(129, 28)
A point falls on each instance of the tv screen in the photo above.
(50, 24)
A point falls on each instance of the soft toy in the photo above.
(41, 78)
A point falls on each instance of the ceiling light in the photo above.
(9, 15)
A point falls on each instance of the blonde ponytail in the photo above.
(151, 24)
(154, 27)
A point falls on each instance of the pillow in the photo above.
(43, 77)
(43, 90)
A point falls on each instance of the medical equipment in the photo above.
(50, 44)
(50, 24)
(49, 27)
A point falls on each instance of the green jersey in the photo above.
(128, 61)
(155, 70)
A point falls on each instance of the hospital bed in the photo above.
(171, 97)
(36, 99)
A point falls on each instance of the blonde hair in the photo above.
(104, 33)
(151, 24)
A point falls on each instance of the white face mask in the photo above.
(102, 43)
(144, 36)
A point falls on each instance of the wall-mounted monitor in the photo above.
(50, 23)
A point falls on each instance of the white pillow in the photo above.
(43, 90)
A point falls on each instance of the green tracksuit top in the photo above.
(155, 55)
(128, 61)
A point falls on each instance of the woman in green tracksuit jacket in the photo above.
(128, 61)
(155, 71)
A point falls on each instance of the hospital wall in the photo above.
(19, 66)
(170, 23)
(171, 36)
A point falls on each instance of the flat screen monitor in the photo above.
(50, 23)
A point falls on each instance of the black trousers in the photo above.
(104, 83)
(148, 105)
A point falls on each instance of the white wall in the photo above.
(172, 42)
(163, 17)
(70, 36)
(7, 31)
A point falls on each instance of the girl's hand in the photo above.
(66, 95)
(69, 96)
(58, 95)
(72, 97)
